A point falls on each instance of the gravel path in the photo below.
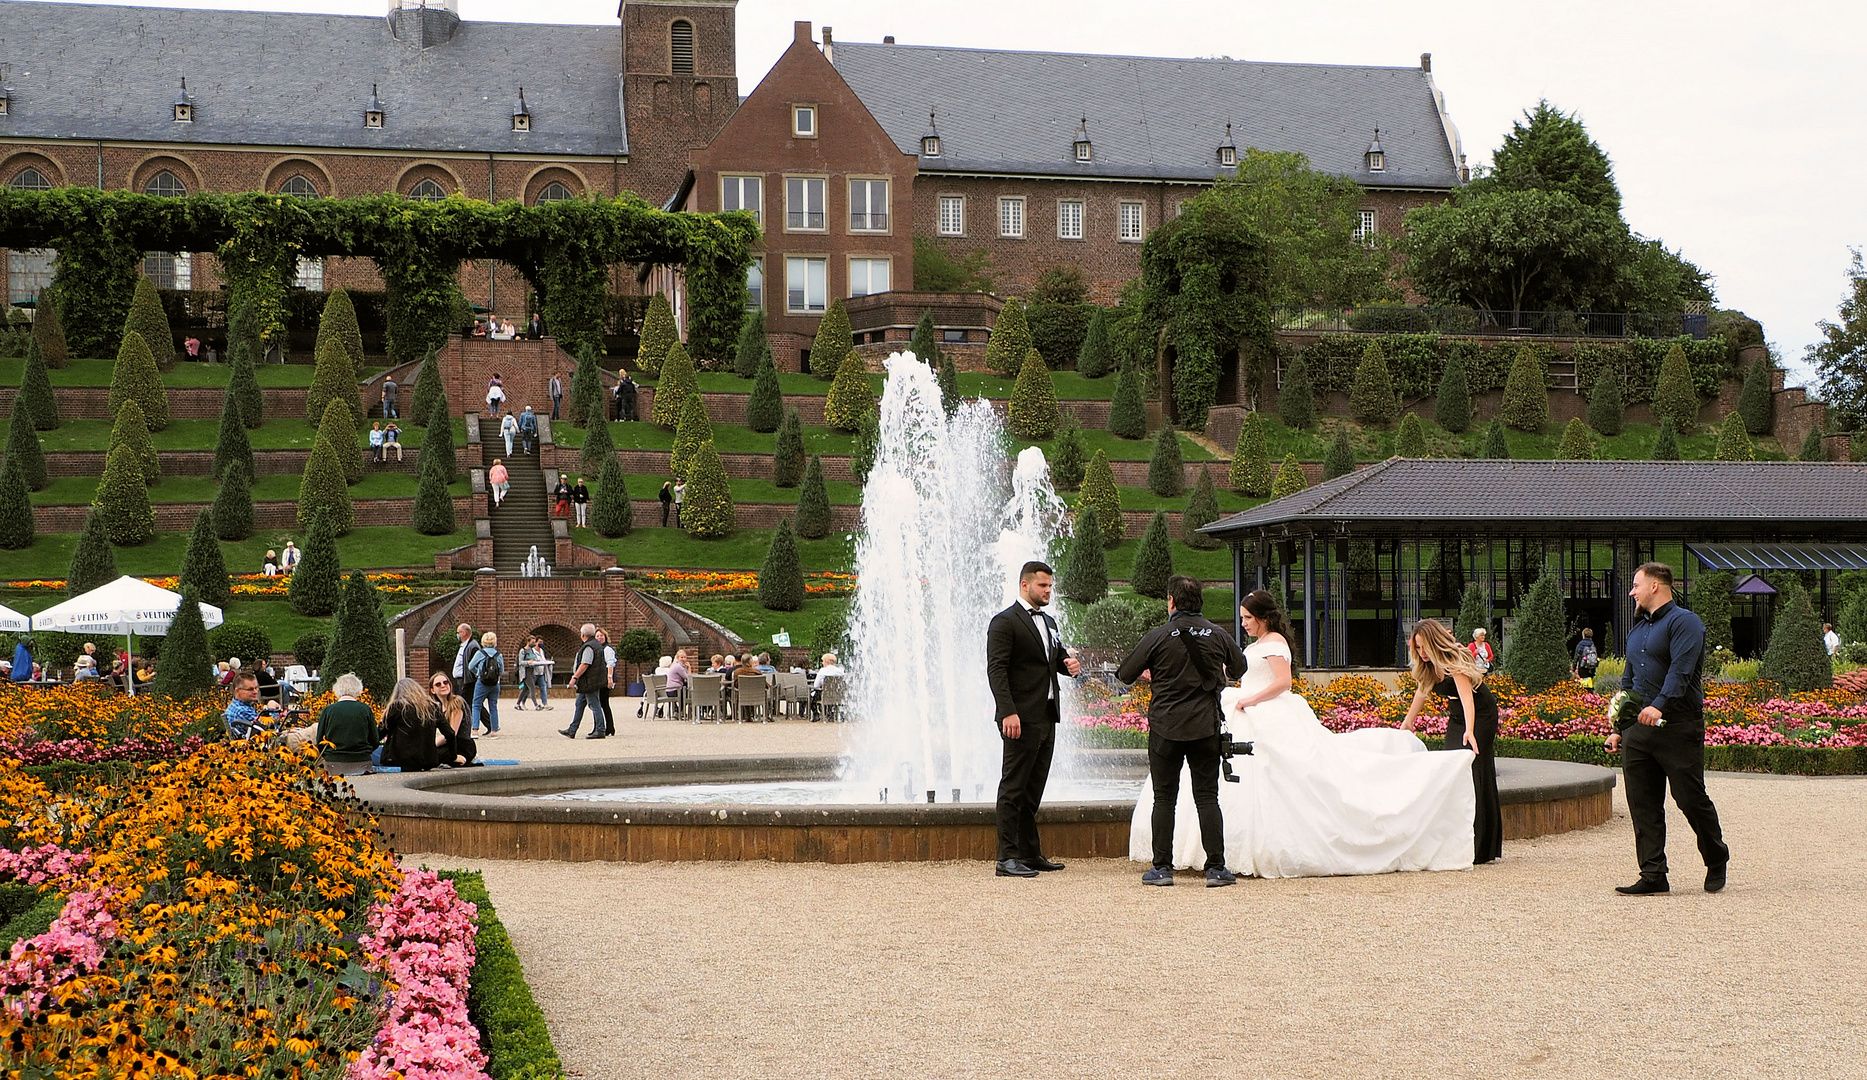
(532, 736)
(1531, 967)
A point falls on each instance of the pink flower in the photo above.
(421, 939)
(73, 946)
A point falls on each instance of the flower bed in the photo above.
(247, 586)
(731, 584)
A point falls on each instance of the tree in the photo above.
(1153, 560)
(1578, 442)
(781, 578)
(1452, 403)
(49, 334)
(428, 388)
(1852, 624)
(135, 378)
(936, 269)
(16, 523)
(787, 464)
(233, 503)
(1796, 658)
(611, 513)
(148, 319)
(832, 342)
(709, 513)
(1068, 457)
(1666, 445)
(204, 572)
(1296, 398)
(765, 408)
(187, 668)
(1340, 460)
(754, 348)
(678, 380)
(1100, 493)
(1202, 508)
(1496, 444)
(129, 431)
(1674, 397)
(1166, 470)
(1472, 613)
(1086, 572)
(1551, 150)
(1733, 442)
(333, 380)
(123, 499)
(434, 504)
(1290, 478)
(1607, 411)
(317, 583)
(323, 489)
(1410, 440)
(243, 347)
(922, 342)
(1812, 448)
(1372, 395)
(659, 334)
(868, 446)
(1756, 402)
(338, 323)
(949, 383)
(851, 397)
(1251, 472)
(1033, 411)
(1010, 341)
(93, 561)
(1711, 602)
(232, 444)
(695, 430)
(438, 442)
(1127, 413)
(36, 400)
(1537, 654)
(1840, 357)
(1526, 393)
(23, 449)
(1514, 251)
(813, 503)
(1097, 357)
(586, 388)
(340, 426)
(360, 640)
(599, 447)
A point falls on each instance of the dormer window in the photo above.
(521, 114)
(184, 106)
(804, 121)
(1084, 151)
(372, 116)
(930, 140)
(1228, 151)
(6, 100)
(1375, 157)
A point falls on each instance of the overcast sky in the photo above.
(1736, 127)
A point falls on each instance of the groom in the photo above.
(1023, 656)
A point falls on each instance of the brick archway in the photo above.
(560, 644)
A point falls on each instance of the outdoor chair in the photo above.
(830, 702)
(752, 696)
(793, 692)
(707, 694)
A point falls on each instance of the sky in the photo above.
(1735, 127)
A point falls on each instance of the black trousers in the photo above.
(1202, 758)
(666, 505)
(609, 714)
(1654, 758)
(1487, 811)
(1021, 785)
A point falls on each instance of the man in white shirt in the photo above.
(1831, 639)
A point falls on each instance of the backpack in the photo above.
(1588, 652)
(491, 667)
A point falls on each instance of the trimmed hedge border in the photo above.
(32, 921)
(518, 1045)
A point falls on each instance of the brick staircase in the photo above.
(523, 518)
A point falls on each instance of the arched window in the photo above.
(30, 179)
(165, 183)
(427, 191)
(300, 186)
(681, 47)
(552, 192)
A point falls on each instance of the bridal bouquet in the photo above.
(1624, 709)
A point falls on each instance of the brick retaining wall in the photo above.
(265, 462)
(185, 403)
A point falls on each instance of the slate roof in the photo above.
(94, 71)
(1508, 494)
(1148, 117)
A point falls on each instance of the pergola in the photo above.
(1360, 558)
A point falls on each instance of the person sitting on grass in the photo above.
(347, 735)
(246, 715)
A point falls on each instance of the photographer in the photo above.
(1191, 660)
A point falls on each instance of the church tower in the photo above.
(680, 84)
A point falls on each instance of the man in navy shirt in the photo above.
(1666, 742)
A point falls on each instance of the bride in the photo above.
(1310, 802)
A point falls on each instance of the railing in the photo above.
(804, 219)
(1396, 319)
(859, 222)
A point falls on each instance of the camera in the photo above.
(1229, 747)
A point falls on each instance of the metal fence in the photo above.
(1396, 319)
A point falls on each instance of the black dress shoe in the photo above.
(595, 735)
(1014, 868)
(568, 733)
(1646, 886)
(1041, 863)
(1714, 878)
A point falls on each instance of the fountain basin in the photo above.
(493, 813)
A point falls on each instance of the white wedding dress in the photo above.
(1311, 803)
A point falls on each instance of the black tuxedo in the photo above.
(1022, 668)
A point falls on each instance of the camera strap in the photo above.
(1207, 680)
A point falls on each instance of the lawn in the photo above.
(1140, 498)
(184, 374)
(1070, 386)
(1120, 449)
(1634, 443)
(277, 434)
(1205, 565)
(373, 548)
(70, 490)
(727, 438)
(756, 624)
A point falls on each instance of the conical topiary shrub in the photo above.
(317, 583)
(1290, 478)
(132, 433)
(1202, 508)
(1674, 397)
(765, 408)
(1812, 447)
(1296, 397)
(832, 343)
(589, 403)
(1085, 577)
(232, 445)
(338, 323)
(1068, 457)
(1607, 409)
(1153, 560)
(1537, 654)
(323, 488)
(754, 348)
(123, 499)
(16, 524)
(1578, 442)
(1127, 412)
(1371, 396)
(428, 388)
(242, 371)
(611, 513)
(1497, 445)
(1097, 357)
(1033, 412)
(233, 503)
(1733, 441)
(781, 578)
(1410, 440)
(93, 561)
(1711, 602)
(1251, 473)
(922, 342)
(1796, 658)
(187, 667)
(434, 504)
(678, 380)
(708, 513)
(1010, 341)
(850, 398)
(204, 571)
(1166, 469)
(333, 380)
(787, 467)
(360, 640)
(658, 335)
(1340, 460)
(340, 426)
(813, 503)
(1099, 492)
(1452, 402)
(1666, 444)
(1472, 613)
(23, 449)
(1756, 402)
(148, 319)
(948, 377)
(437, 442)
(695, 430)
(1526, 393)
(599, 447)
(135, 378)
(49, 333)
(868, 444)
(36, 399)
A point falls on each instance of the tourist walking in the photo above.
(680, 496)
(495, 394)
(463, 655)
(500, 478)
(376, 442)
(1483, 655)
(541, 671)
(580, 498)
(528, 430)
(389, 391)
(560, 497)
(488, 669)
(1830, 640)
(609, 681)
(587, 679)
(1443, 669)
(1586, 658)
(625, 397)
(509, 431)
(535, 329)
(391, 440)
(1665, 742)
(667, 500)
(1023, 657)
(557, 393)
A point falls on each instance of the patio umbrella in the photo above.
(12, 621)
(127, 606)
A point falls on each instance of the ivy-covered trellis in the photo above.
(564, 250)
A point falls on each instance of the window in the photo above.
(744, 193)
(1180, 207)
(1070, 219)
(1084, 150)
(300, 186)
(953, 337)
(681, 47)
(28, 272)
(952, 215)
(1365, 227)
(1133, 214)
(930, 146)
(30, 179)
(550, 193)
(310, 274)
(166, 184)
(1228, 156)
(868, 276)
(868, 206)
(755, 283)
(427, 191)
(1011, 216)
(803, 203)
(804, 121)
(806, 284)
(168, 270)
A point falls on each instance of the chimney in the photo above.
(800, 33)
(829, 47)
(1426, 62)
(888, 39)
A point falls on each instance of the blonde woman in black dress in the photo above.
(1444, 668)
